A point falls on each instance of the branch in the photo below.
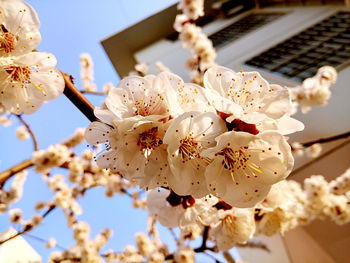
(35, 142)
(203, 247)
(93, 92)
(44, 240)
(27, 228)
(77, 98)
(228, 257)
(13, 170)
(255, 244)
(343, 144)
(328, 139)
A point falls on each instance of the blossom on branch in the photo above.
(245, 166)
(19, 28)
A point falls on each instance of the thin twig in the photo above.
(204, 240)
(28, 227)
(13, 170)
(35, 142)
(77, 98)
(328, 139)
(228, 257)
(202, 248)
(338, 147)
(212, 257)
(254, 244)
(43, 240)
(93, 92)
(171, 230)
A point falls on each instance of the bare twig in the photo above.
(13, 170)
(338, 147)
(228, 257)
(43, 240)
(171, 230)
(35, 142)
(93, 92)
(203, 248)
(328, 139)
(28, 227)
(254, 244)
(77, 98)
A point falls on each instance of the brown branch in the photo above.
(93, 92)
(35, 142)
(202, 248)
(228, 257)
(27, 228)
(255, 244)
(77, 98)
(324, 155)
(13, 170)
(328, 139)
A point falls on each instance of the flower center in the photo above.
(189, 149)
(149, 140)
(238, 160)
(19, 74)
(7, 40)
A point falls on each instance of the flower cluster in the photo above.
(226, 139)
(28, 78)
(87, 72)
(314, 91)
(286, 206)
(85, 249)
(194, 40)
(14, 193)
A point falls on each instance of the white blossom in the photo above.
(341, 184)
(15, 216)
(4, 121)
(22, 133)
(233, 226)
(187, 137)
(316, 90)
(55, 155)
(248, 97)
(19, 33)
(50, 243)
(28, 81)
(192, 8)
(245, 166)
(185, 255)
(167, 215)
(87, 72)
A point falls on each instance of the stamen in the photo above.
(235, 160)
(19, 74)
(149, 140)
(189, 149)
(7, 40)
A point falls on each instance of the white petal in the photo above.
(97, 133)
(104, 115)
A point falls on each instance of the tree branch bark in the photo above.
(77, 98)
